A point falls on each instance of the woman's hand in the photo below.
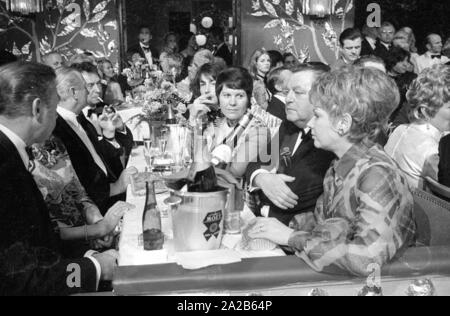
(271, 229)
(201, 106)
(113, 217)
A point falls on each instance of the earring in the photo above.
(341, 132)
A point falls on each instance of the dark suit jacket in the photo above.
(93, 179)
(444, 161)
(30, 258)
(277, 108)
(224, 52)
(138, 48)
(308, 165)
(381, 51)
(366, 48)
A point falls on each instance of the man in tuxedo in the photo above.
(385, 40)
(277, 83)
(433, 55)
(114, 145)
(222, 49)
(293, 182)
(144, 48)
(30, 255)
(85, 152)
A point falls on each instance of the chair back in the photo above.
(437, 188)
(432, 219)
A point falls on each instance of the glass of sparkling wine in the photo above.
(148, 153)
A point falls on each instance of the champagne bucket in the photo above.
(198, 220)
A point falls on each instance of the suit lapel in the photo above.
(305, 147)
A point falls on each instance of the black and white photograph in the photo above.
(224, 153)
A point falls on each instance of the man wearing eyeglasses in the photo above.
(385, 40)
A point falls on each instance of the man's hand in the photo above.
(108, 262)
(275, 188)
(125, 179)
(271, 229)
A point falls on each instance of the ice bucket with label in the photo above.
(198, 219)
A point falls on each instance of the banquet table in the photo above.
(260, 274)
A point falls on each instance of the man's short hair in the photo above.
(20, 84)
(237, 78)
(144, 26)
(275, 57)
(317, 68)
(67, 78)
(429, 36)
(349, 34)
(286, 55)
(387, 24)
(85, 67)
(274, 78)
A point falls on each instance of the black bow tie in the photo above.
(436, 56)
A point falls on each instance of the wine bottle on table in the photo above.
(222, 154)
(153, 236)
(202, 176)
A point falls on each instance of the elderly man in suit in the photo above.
(385, 40)
(293, 182)
(433, 55)
(31, 261)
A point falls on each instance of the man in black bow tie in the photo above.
(433, 55)
(293, 181)
(144, 48)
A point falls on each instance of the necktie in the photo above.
(292, 135)
(436, 56)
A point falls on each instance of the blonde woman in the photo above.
(365, 215)
(415, 146)
(259, 68)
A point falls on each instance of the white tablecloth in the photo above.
(131, 250)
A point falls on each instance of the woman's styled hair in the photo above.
(235, 78)
(395, 56)
(369, 96)
(212, 70)
(253, 65)
(20, 84)
(100, 65)
(411, 38)
(429, 92)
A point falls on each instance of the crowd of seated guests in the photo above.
(329, 192)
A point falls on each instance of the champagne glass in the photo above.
(148, 153)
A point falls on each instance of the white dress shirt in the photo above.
(148, 54)
(18, 143)
(426, 61)
(372, 42)
(71, 119)
(415, 148)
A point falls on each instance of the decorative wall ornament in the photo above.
(24, 6)
(61, 24)
(289, 17)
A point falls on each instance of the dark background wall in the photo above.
(424, 16)
(165, 16)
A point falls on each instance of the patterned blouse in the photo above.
(55, 176)
(364, 218)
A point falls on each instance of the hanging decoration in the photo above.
(25, 7)
(318, 8)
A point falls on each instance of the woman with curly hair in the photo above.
(415, 147)
(365, 215)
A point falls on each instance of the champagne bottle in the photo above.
(153, 236)
(222, 154)
(202, 176)
(171, 119)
